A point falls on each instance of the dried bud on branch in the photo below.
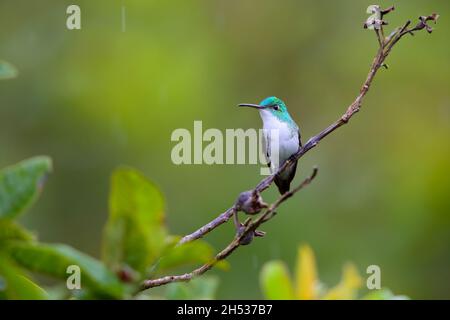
(250, 202)
(423, 22)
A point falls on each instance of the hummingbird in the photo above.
(276, 118)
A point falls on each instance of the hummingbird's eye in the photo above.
(276, 107)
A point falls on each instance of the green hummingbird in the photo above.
(281, 138)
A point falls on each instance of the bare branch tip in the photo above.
(314, 172)
(259, 233)
(423, 23)
(387, 10)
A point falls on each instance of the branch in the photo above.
(250, 201)
(241, 239)
(224, 217)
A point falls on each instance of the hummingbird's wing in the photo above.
(283, 181)
(267, 149)
(299, 139)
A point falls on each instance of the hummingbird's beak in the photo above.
(256, 106)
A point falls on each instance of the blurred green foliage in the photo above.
(99, 97)
(20, 185)
(7, 70)
(135, 233)
(136, 240)
(14, 285)
(199, 288)
(136, 244)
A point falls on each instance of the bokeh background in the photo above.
(98, 97)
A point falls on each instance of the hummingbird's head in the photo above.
(272, 105)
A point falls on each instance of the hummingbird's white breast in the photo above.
(287, 139)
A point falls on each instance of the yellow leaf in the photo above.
(306, 274)
(348, 287)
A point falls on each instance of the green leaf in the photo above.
(189, 253)
(202, 288)
(15, 286)
(11, 231)
(7, 70)
(275, 281)
(135, 234)
(21, 184)
(53, 260)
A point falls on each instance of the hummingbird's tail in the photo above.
(283, 180)
(283, 185)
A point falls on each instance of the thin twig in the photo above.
(199, 233)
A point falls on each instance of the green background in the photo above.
(99, 97)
